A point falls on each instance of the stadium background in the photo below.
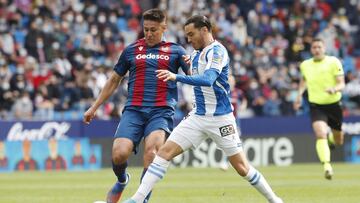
(55, 56)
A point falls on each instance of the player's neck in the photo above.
(209, 41)
(319, 59)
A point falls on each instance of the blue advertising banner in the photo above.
(52, 154)
(355, 149)
(39, 130)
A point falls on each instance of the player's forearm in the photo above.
(207, 79)
(301, 90)
(339, 86)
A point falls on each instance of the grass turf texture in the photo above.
(295, 184)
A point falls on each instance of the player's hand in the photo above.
(330, 90)
(89, 115)
(186, 58)
(165, 75)
(297, 104)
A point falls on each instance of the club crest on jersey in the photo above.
(164, 49)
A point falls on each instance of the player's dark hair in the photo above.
(155, 14)
(199, 22)
(317, 40)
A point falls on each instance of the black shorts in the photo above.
(330, 113)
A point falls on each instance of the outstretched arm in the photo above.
(110, 86)
(206, 79)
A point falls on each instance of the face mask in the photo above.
(254, 85)
(69, 18)
(79, 19)
(79, 58)
(102, 19)
(21, 85)
(47, 28)
(6, 86)
(94, 31)
(22, 52)
(39, 44)
(112, 19)
(237, 57)
(107, 34)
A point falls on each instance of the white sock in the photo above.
(154, 173)
(257, 180)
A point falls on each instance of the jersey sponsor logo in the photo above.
(152, 56)
(227, 130)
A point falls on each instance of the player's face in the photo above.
(153, 32)
(318, 50)
(195, 36)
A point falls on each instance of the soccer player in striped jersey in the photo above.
(149, 110)
(212, 114)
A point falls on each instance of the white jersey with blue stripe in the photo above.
(213, 100)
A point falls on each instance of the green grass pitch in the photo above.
(295, 184)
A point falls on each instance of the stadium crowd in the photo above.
(55, 55)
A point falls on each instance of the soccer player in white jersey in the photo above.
(212, 114)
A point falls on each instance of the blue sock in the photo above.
(120, 171)
(148, 196)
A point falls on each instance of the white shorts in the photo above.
(194, 129)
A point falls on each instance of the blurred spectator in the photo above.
(23, 107)
(68, 47)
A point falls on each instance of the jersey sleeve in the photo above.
(122, 66)
(207, 79)
(184, 66)
(337, 68)
(302, 71)
(216, 58)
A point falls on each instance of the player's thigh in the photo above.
(224, 133)
(189, 133)
(160, 118)
(334, 113)
(131, 127)
(319, 120)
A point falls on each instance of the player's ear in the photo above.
(164, 26)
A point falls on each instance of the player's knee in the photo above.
(242, 170)
(339, 141)
(120, 155)
(149, 155)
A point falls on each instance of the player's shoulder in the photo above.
(332, 59)
(173, 45)
(306, 62)
(136, 43)
(216, 48)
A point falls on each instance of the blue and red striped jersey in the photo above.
(144, 88)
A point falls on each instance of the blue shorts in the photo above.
(138, 122)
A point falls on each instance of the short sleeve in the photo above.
(216, 58)
(337, 68)
(184, 66)
(122, 66)
(302, 71)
